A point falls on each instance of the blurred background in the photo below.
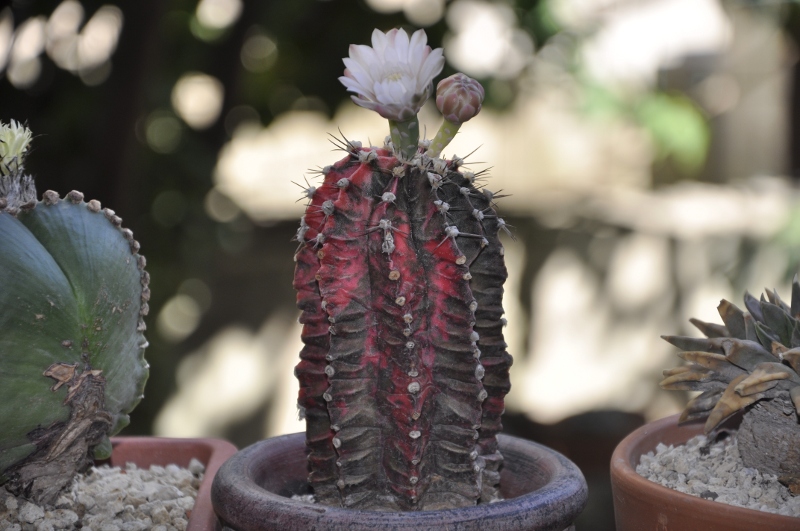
(650, 150)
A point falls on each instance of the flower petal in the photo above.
(401, 45)
(355, 71)
(352, 85)
(394, 76)
(432, 66)
(417, 44)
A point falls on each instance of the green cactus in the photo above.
(72, 298)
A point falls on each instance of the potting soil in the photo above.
(715, 471)
(111, 499)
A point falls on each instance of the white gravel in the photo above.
(111, 499)
(717, 473)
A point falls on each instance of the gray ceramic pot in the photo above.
(252, 491)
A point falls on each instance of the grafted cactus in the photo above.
(74, 292)
(400, 278)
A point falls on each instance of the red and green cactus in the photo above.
(74, 294)
(404, 371)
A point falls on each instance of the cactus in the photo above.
(73, 295)
(399, 276)
(748, 365)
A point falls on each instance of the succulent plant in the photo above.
(749, 364)
(399, 276)
(74, 292)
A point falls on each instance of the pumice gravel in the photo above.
(112, 499)
(716, 472)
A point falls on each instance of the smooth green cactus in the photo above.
(73, 295)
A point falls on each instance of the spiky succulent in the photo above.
(74, 293)
(749, 364)
(400, 279)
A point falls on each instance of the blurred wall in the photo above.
(642, 146)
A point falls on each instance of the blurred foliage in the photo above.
(120, 141)
(678, 128)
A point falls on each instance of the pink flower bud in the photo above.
(459, 98)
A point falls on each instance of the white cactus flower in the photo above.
(14, 141)
(393, 77)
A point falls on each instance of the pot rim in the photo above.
(623, 472)
(565, 493)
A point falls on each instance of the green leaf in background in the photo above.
(678, 128)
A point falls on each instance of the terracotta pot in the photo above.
(543, 491)
(641, 504)
(147, 451)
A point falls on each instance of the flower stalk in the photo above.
(405, 137)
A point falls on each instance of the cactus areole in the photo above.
(74, 293)
(399, 276)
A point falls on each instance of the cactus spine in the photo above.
(74, 294)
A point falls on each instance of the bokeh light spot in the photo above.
(424, 12)
(218, 14)
(220, 207)
(197, 99)
(28, 42)
(169, 208)
(178, 318)
(386, 6)
(486, 41)
(6, 35)
(259, 53)
(99, 37)
(162, 132)
(197, 290)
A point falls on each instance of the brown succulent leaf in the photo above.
(693, 378)
(778, 320)
(685, 378)
(775, 299)
(709, 360)
(792, 357)
(722, 369)
(710, 329)
(746, 354)
(763, 378)
(766, 336)
(753, 306)
(699, 406)
(696, 343)
(733, 318)
(795, 341)
(778, 349)
(729, 403)
(795, 307)
(750, 328)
